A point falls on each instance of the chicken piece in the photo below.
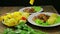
(34, 18)
(43, 17)
(29, 10)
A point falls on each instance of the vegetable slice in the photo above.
(31, 2)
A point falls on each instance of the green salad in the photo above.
(22, 28)
(37, 8)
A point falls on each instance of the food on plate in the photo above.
(58, 19)
(25, 14)
(37, 8)
(38, 21)
(9, 15)
(32, 9)
(10, 22)
(12, 19)
(52, 19)
(44, 19)
(34, 18)
(54, 15)
(22, 28)
(29, 10)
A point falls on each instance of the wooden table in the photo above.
(49, 30)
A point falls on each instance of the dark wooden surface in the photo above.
(50, 30)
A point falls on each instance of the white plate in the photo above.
(35, 14)
(21, 10)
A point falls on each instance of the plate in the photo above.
(35, 14)
(30, 7)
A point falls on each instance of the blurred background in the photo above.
(55, 3)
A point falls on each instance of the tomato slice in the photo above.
(23, 18)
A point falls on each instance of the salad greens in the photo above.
(9, 31)
(38, 21)
(58, 19)
(22, 28)
(37, 8)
